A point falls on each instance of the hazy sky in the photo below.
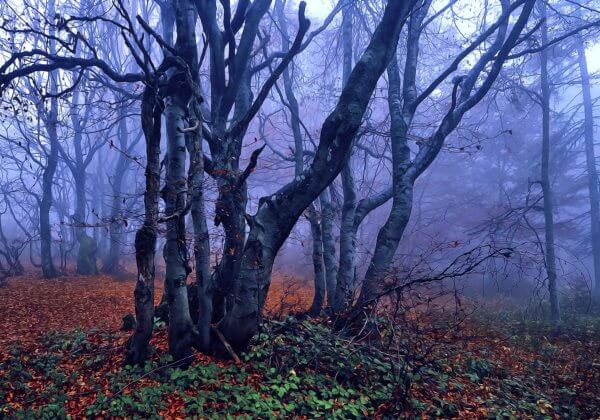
(318, 9)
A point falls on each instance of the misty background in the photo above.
(483, 188)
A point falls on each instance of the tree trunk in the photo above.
(138, 348)
(590, 156)
(230, 210)
(278, 213)
(181, 327)
(389, 236)
(201, 236)
(329, 260)
(403, 104)
(175, 251)
(550, 256)
(345, 276)
(86, 256)
(113, 263)
(48, 269)
(230, 207)
(317, 258)
(315, 227)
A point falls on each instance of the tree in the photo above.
(403, 103)
(546, 184)
(209, 109)
(295, 123)
(590, 156)
(278, 213)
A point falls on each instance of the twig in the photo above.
(228, 347)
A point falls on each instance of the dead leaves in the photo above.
(31, 306)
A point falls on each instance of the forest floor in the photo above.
(61, 351)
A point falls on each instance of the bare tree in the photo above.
(590, 155)
(403, 103)
(546, 183)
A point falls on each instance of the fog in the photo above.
(369, 208)
(472, 153)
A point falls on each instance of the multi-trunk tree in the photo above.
(204, 97)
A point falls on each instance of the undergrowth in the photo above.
(293, 368)
(300, 368)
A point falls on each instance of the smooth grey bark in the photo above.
(138, 346)
(317, 259)
(329, 254)
(201, 235)
(390, 234)
(230, 87)
(590, 156)
(167, 17)
(175, 251)
(45, 203)
(401, 110)
(230, 207)
(48, 269)
(403, 105)
(278, 213)
(180, 93)
(315, 227)
(368, 204)
(550, 257)
(86, 254)
(345, 275)
(112, 265)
